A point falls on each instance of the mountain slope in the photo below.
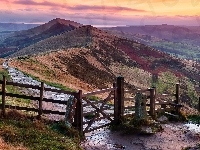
(142, 56)
(88, 58)
(21, 39)
(16, 26)
(182, 41)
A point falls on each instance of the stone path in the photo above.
(19, 77)
(174, 137)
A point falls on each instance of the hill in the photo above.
(181, 41)
(88, 58)
(142, 56)
(21, 39)
(16, 26)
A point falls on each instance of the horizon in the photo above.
(99, 26)
(103, 13)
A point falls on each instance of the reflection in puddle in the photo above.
(101, 138)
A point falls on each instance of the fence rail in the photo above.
(40, 99)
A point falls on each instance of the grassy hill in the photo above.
(18, 40)
(181, 41)
(88, 58)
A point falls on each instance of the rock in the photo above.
(162, 119)
(147, 130)
(193, 135)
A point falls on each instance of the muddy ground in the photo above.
(175, 136)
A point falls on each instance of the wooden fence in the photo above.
(116, 93)
(153, 103)
(40, 99)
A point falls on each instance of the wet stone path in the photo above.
(175, 136)
(19, 77)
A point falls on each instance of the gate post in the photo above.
(152, 102)
(177, 97)
(199, 105)
(119, 104)
(40, 100)
(78, 117)
(3, 96)
(116, 119)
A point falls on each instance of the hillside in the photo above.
(142, 56)
(18, 40)
(88, 58)
(16, 26)
(181, 41)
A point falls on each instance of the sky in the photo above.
(103, 12)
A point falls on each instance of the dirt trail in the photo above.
(174, 137)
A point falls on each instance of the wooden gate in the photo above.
(98, 110)
(100, 113)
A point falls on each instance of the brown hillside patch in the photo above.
(5, 146)
(57, 67)
(86, 69)
(1, 62)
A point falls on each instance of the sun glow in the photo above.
(99, 10)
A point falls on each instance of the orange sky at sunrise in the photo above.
(102, 12)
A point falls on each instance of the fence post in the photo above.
(152, 102)
(116, 118)
(199, 105)
(177, 97)
(3, 96)
(40, 100)
(78, 118)
(120, 98)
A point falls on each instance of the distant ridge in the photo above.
(21, 39)
(4, 27)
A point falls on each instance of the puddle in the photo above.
(193, 127)
(103, 139)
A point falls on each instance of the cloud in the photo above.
(96, 19)
(101, 8)
(32, 2)
(77, 7)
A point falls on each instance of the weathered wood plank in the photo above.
(129, 98)
(152, 102)
(98, 119)
(24, 85)
(78, 117)
(163, 102)
(129, 107)
(54, 101)
(22, 96)
(99, 127)
(163, 109)
(3, 96)
(20, 108)
(40, 100)
(60, 91)
(98, 110)
(33, 109)
(98, 92)
(53, 112)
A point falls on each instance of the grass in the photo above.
(12, 89)
(56, 85)
(194, 119)
(129, 125)
(4, 73)
(18, 129)
(181, 50)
